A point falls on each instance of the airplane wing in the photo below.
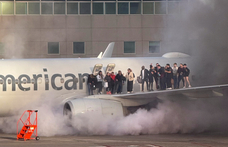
(194, 92)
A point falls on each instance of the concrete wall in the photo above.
(28, 36)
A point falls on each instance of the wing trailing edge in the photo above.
(194, 92)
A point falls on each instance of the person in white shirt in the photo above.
(130, 78)
(175, 69)
(100, 78)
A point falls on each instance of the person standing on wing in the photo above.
(100, 78)
(186, 75)
(151, 78)
(144, 76)
(130, 78)
(175, 68)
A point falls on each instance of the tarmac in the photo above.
(161, 140)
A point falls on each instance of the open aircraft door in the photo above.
(110, 68)
(97, 68)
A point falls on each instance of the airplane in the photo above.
(28, 81)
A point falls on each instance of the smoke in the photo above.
(201, 31)
(13, 45)
(192, 116)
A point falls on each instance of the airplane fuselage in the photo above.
(25, 80)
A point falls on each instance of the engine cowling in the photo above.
(85, 105)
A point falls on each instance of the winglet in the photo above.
(100, 55)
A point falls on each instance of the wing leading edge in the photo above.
(194, 92)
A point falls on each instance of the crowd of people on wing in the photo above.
(165, 78)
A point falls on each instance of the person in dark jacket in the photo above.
(119, 81)
(180, 73)
(168, 76)
(91, 84)
(151, 77)
(144, 76)
(156, 77)
(89, 81)
(108, 80)
(161, 74)
(186, 75)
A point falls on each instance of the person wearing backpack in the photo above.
(130, 78)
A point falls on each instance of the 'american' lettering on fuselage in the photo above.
(69, 84)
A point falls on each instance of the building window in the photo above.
(148, 8)
(53, 47)
(129, 47)
(1, 48)
(123, 8)
(21, 8)
(160, 7)
(154, 46)
(135, 8)
(98, 8)
(173, 7)
(78, 48)
(46, 8)
(72, 8)
(110, 8)
(85, 8)
(33, 8)
(59, 8)
(7, 8)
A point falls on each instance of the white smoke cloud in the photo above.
(14, 45)
(192, 116)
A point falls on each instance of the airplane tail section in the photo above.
(108, 51)
(100, 55)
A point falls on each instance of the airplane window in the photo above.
(46, 80)
(9, 81)
(62, 80)
(76, 80)
(24, 81)
(1, 81)
(39, 81)
(17, 81)
(33, 81)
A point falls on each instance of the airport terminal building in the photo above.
(83, 28)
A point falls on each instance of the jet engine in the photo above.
(85, 105)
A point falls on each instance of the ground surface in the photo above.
(164, 140)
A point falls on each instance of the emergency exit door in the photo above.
(110, 68)
(97, 68)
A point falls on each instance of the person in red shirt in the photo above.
(113, 79)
